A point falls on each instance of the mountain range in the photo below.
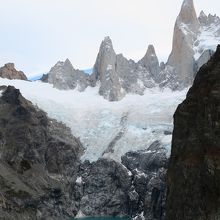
(194, 41)
(74, 144)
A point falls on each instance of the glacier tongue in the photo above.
(108, 129)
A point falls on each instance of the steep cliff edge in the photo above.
(194, 168)
(39, 161)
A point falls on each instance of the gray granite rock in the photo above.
(115, 76)
(205, 20)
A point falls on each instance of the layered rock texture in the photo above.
(39, 161)
(193, 173)
(150, 62)
(194, 41)
(8, 71)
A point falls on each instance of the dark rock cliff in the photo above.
(194, 170)
(39, 159)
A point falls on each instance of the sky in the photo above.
(35, 34)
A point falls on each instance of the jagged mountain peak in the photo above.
(150, 54)
(207, 20)
(67, 62)
(116, 76)
(202, 14)
(64, 76)
(151, 50)
(186, 29)
(106, 43)
(107, 39)
(63, 63)
(188, 15)
(187, 3)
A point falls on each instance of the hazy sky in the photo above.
(35, 34)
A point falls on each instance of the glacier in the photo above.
(107, 129)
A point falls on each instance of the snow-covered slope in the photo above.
(105, 128)
(209, 34)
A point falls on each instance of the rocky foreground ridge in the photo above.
(39, 160)
(42, 176)
(193, 173)
(194, 41)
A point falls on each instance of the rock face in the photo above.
(64, 76)
(193, 174)
(39, 161)
(8, 71)
(118, 76)
(185, 33)
(104, 187)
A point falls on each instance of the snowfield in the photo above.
(108, 129)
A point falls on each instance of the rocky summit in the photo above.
(105, 72)
(8, 71)
(185, 33)
(193, 175)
